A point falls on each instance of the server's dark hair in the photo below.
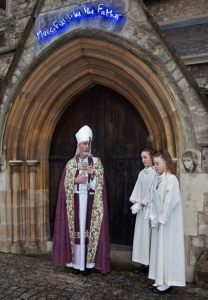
(165, 155)
(150, 150)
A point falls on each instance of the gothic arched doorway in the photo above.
(52, 85)
(119, 136)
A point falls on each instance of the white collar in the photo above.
(161, 177)
(148, 170)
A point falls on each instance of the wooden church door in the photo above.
(119, 135)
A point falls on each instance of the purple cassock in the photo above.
(61, 252)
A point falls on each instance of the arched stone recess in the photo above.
(168, 77)
(38, 104)
(72, 68)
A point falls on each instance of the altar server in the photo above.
(167, 263)
(141, 242)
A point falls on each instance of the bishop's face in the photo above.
(84, 148)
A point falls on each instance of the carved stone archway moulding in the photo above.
(72, 69)
(44, 96)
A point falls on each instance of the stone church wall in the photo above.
(200, 73)
(185, 24)
(193, 185)
(14, 19)
(189, 40)
(175, 10)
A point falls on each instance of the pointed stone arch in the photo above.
(44, 95)
(71, 69)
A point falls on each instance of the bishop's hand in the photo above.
(80, 179)
(90, 171)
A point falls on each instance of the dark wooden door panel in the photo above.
(119, 135)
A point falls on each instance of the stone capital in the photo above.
(14, 163)
(32, 163)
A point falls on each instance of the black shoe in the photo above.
(151, 287)
(136, 271)
(144, 271)
(162, 292)
(86, 272)
(75, 271)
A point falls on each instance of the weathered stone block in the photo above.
(203, 223)
(202, 270)
(2, 39)
(192, 256)
(197, 241)
(205, 208)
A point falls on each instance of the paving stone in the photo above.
(36, 278)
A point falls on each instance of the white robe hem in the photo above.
(171, 283)
(141, 262)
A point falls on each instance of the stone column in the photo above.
(32, 230)
(16, 194)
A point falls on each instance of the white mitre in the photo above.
(84, 134)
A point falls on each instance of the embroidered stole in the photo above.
(97, 208)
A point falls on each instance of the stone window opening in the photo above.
(5, 7)
(3, 4)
